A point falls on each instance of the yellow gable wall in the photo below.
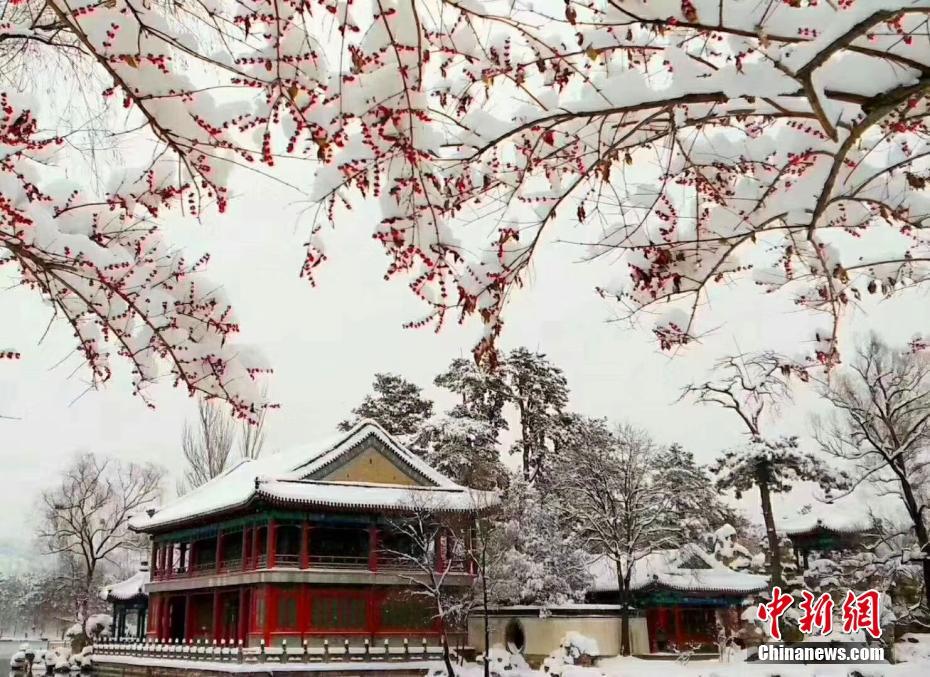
(371, 466)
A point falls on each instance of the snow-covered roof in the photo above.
(374, 496)
(286, 476)
(688, 569)
(845, 516)
(128, 589)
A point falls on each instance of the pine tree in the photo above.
(481, 390)
(693, 495)
(539, 391)
(774, 466)
(539, 558)
(750, 386)
(464, 449)
(397, 405)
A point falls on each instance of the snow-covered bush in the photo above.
(574, 649)
(97, 626)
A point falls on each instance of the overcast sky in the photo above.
(325, 344)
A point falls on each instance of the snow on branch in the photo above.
(693, 141)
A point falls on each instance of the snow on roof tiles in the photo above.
(125, 590)
(266, 475)
(376, 496)
(848, 515)
(668, 568)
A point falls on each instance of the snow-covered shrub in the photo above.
(574, 649)
(97, 626)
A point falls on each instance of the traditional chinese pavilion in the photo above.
(130, 605)
(306, 545)
(683, 593)
(826, 528)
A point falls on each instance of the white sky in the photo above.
(325, 344)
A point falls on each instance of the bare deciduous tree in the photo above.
(608, 486)
(252, 434)
(429, 547)
(882, 427)
(86, 517)
(207, 445)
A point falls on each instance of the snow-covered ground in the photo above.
(913, 656)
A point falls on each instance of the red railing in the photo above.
(339, 561)
(287, 561)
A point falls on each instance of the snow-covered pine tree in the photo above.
(539, 391)
(396, 404)
(481, 391)
(463, 448)
(693, 495)
(750, 386)
(538, 558)
(773, 466)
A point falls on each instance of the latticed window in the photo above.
(287, 612)
(258, 610)
(338, 612)
(406, 613)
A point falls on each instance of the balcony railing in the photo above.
(287, 561)
(390, 649)
(339, 561)
(390, 562)
(230, 565)
(383, 559)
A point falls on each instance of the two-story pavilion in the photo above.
(309, 544)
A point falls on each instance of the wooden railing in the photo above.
(230, 652)
(385, 562)
(339, 561)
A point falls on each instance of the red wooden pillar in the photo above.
(245, 549)
(219, 550)
(243, 619)
(305, 546)
(303, 610)
(165, 615)
(679, 629)
(254, 547)
(271, 609)
(153, 565)
(193, 557)
(372, 548)
(373, 602)
(272, 542)
(217, 630)
(188, 613)
(154, 612)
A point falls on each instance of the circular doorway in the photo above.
(514, 636)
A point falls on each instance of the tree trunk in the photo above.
(624, 599)
(920, 530)
(446, 656)
(484, 605)
(770, 533)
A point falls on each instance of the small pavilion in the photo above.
(130, 605)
